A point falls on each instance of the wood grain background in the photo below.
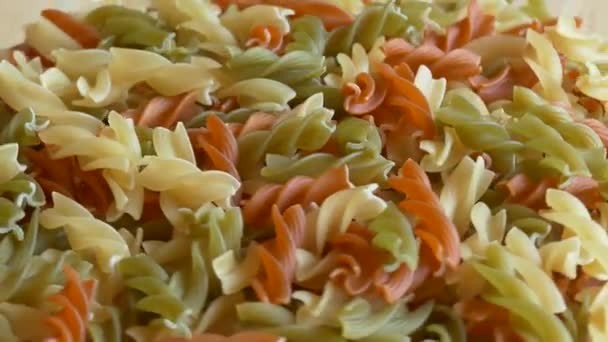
(17, 12)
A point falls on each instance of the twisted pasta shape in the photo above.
(278, 256)
(76, 297)
(363, 270)
(300, 190)
(475, 25)
(175, 153)
(572, 214)
(128, 27)
(115, 151)
(307, 34)
(463, 187)
(457, 64)
(411, 107)
(434, 228)
(375, 21)
(245, 22)
(166, 111)
(558, 154)
(291, 69)
(266, 36)
(339, 209)
(85, 232)
(364, 166)
(16, 191)
(333, 308)
(175, 305)
(477, 130)
(287, 136)
(442, 155)
(21, 128)
(219, 144)
(598, 127)
(332, 16)
(394, 234)
(67, 178)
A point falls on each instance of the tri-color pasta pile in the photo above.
(305, 170)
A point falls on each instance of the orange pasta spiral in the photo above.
(360, 266)
(484, 319)
(434, 228)
(458, 64)
(300, 190)
(525, 191)
(66, 177)
(219, 144)
(165, 111)
(278, 256)
(475, 25)
(70, 323)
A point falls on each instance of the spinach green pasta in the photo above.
(304, 170)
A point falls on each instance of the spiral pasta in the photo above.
(313, 131)
(75, 299)
(225, 170)
(465, 112)
(298, 190)
(420, 200)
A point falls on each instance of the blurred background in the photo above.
(16, 13)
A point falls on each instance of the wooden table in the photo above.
(17, 12)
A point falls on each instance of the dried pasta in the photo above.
(304, 170)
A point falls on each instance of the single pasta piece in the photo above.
(166, 111)
(434, 228)
(75, 299)
(300, 190)
(278, 256)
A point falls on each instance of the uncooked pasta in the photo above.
(304, 170)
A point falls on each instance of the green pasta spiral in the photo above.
(292, 69)
(288, 136)
(480, 132)
(176, 298)
(21, 127)
(128, 27)
(376, 20)
(359, 145)
(26, 277)
(395, 235)
(308, 34)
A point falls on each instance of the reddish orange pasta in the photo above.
(298, 190)
(483, 320)
(458, 64)
(434, 228)
(527, 192)
(86, 35)
(476, 24)
(360, 266)
(166, 111)
(278, 256)
(266, 36)
(219, 145)
(70, 323)
(66, 177)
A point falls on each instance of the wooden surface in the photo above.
(17, 12)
